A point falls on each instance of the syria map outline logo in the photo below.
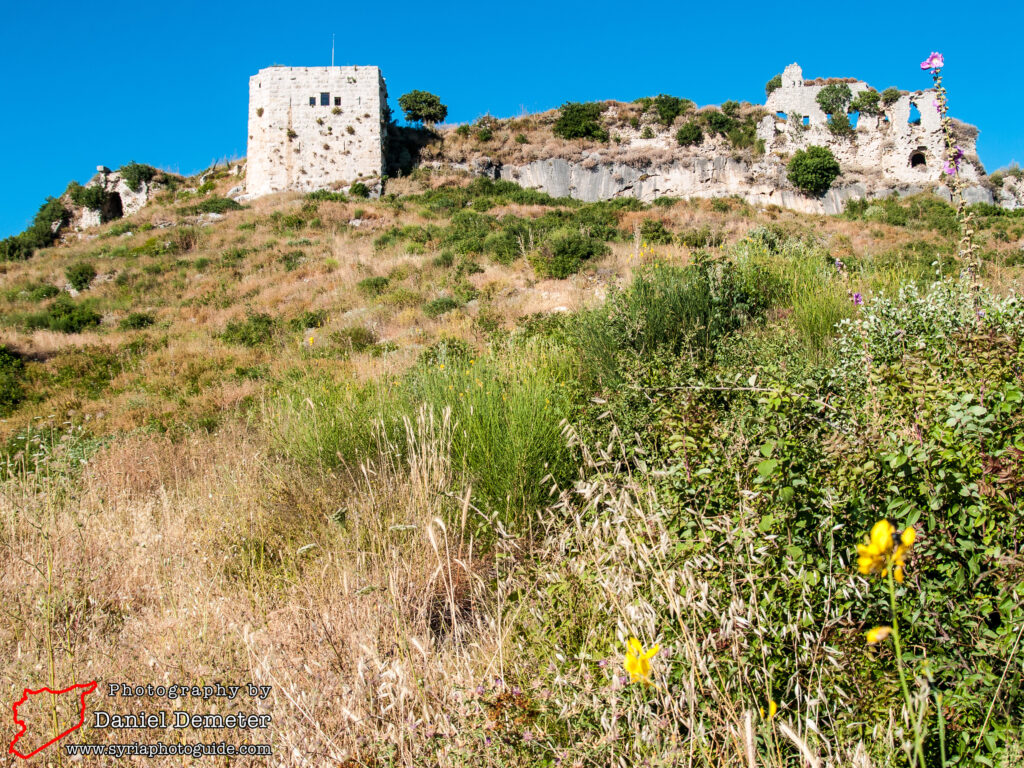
(84, 688)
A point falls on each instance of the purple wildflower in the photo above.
(858, 299)
(527, 736)
(516, 691)
(981, 313)
(933, 62)
(603, 663)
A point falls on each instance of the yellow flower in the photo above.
(638, 661)
(878, 634)
(872, 556)
(311, 341)
(772, 709)
(883, 551)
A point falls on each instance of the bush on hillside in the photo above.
(580, 121)
(813, 170)
(564, 252)
(690, 134)
(80, 275)
(42, 233)
(137, 174)
(64, 315)
(12, 374)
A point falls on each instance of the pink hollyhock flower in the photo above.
(935, 61)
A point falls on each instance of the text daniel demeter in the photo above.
(179, 719)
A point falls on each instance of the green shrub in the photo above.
(463, 131)
(647, 133)
(314, 318)
(718, 122)
(890, 96)
(291, 260)
(834, 98)
(772, 85)
(731, 108)
(484, 134)
(668, 108)
(867, 102)
(33, 291)
(256, 330)
(440, 306)
(702, 237)
(690, 134)
(653, 231)
(373, 286)
(136, 321)
(92, 198)
(813, 170)
(356, 338)
(42, 233)
(212, 205)
(580, 121)
(840, 125)
(80, 275)
(521, 138)
(12, 375)
(137, 174)
(359, 189)
(327, 195)
(564, 252)
(65, 316)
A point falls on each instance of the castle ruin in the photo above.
(315, 128)
(903, 145)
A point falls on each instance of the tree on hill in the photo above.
(813, 170)
(423, 107)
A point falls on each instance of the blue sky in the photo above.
(166, 83)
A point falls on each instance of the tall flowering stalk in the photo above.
(970, 258)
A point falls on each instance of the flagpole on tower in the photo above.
(332, 49)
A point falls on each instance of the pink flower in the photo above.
(934, 61)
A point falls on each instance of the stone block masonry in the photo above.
(315, 128)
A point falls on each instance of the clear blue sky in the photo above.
(166, 83)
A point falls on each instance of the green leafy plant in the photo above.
(773, 85)
(813, 170)
(137, 174)
(834, 98)
(690, 134)
(580, 121)
(65, 316)
(80, 275)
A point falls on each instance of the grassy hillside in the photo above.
(425, 464)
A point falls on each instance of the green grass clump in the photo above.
(373, 286)
(440, 306)
(80, 275)
(12, 375)
(505, 415)
(256, 330)
(136, 321)
(65, 316)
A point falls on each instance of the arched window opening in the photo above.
(918, 160)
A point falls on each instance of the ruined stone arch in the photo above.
(919, 158)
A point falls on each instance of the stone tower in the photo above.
(315, 128)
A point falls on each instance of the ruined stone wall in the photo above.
(889, 147)
(314, 127)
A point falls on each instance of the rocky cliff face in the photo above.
(760, 182)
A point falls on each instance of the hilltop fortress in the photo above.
(327, 127)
